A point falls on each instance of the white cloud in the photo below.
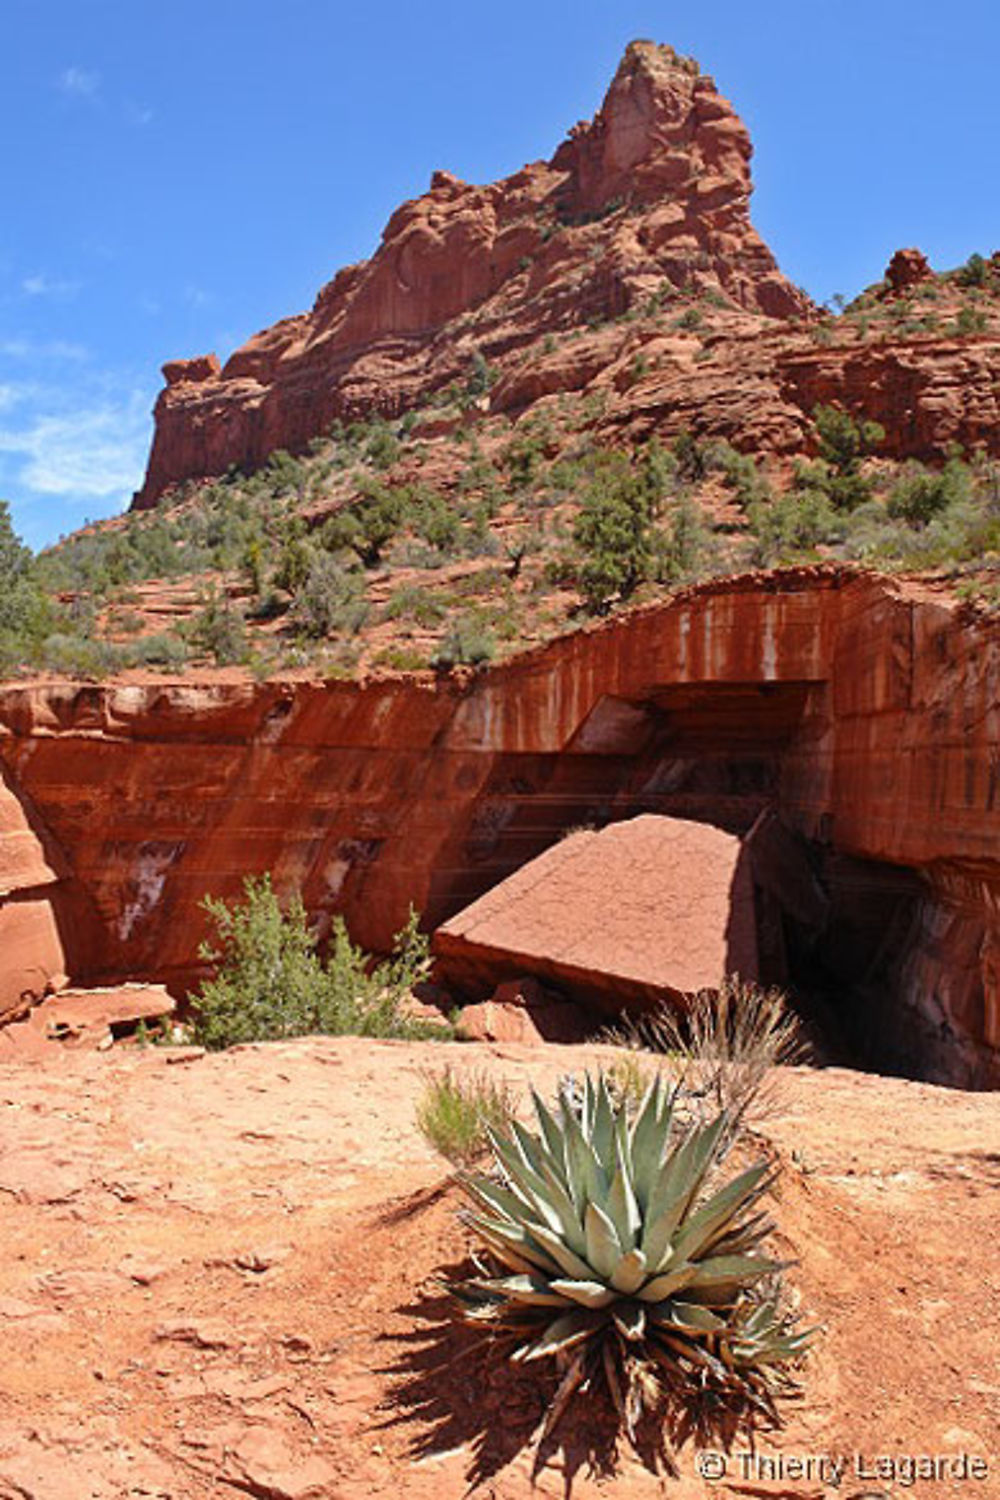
(44, 285)
(32, 349)
(139, 115)
(79, 83)
(98, 451)
(196, 296)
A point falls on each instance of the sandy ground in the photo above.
(218, 1277)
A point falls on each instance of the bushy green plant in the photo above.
(468, 643)
(970, 320)
(792, 525)
(419, 605)
(612, 533)
(615, 1260)
(683, 548)
(975, 272)
(331, 599)
(219, 630)
(456, 1111)
(270, 981)
(919, 495)
(844, 441)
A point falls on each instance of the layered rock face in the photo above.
(654, 191)
(865, 718)
(32, 907)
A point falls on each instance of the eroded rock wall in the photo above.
(866, 715)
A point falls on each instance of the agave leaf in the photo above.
(531, 1291)
(570, 1222)
(552, 1135)
(677, 1186)
(696, 1353)
(587, 1180)
(720, 1210)
(744, 1237)
(562, 1333)
(604, 1248)
(623, 1209)
(630, 1320)
(648, 1141)
(603, 1127)
(525, 1180)
(528, 1145)
(630, 1272)
(732, 1270)
(588, 1293)
(664, 1286)
(516, 1240)
(495, 1198)
(571, 1380)
(687, 1316)
(657, 1236)
(564, 1257)
(614, 1385)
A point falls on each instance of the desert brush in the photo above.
(611, 1258)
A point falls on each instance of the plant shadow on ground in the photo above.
(455, 1385)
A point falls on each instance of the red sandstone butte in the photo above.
(645, 910)
(653, 192)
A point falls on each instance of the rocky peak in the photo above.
(662, 128)
(653, 193)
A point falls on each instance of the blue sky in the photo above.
(179, 175)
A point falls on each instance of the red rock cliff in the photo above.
(654, 190)
(867, 717)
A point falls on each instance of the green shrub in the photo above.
(331, 600)
(455, 1112)
(975, 272)
(843, 441)
(612, 533)
(791, 525)
(77, 656)
(741, 474)
(919, 495)
(271, 983)
(219, 630)
(970, 320)
(161, 650)
(419, 605)
(468, 643)
(684, 548)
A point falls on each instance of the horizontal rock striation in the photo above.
(866, 716)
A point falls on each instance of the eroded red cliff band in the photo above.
(868, 717)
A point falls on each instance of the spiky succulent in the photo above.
(615, 1260)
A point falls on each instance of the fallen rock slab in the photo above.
(643, 910)
(83, 1018)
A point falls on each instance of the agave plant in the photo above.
(615, 1261)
